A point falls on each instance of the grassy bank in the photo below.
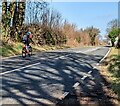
(111, 70)
(12, 49)
(15, 48)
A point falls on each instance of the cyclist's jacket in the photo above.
(27, 37)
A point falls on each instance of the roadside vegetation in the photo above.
(47, 25)
(113, 31)
(114, 70)
(12, 49)
(111, 70)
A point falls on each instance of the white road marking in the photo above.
(76, 84)
(94, 67)
(97, 64)
(92, 50)
(105, 55)
(89, 72)
(65, 94)
(3, 58)
(62, 57)
(19, 69)
(89, 50)
(42, 58)
(83, 78)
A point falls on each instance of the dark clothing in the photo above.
(26, 40)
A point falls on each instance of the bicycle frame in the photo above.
(25, 52)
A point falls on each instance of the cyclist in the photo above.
(27, 38)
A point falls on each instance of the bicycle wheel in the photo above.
(24, 52)
(30, 51)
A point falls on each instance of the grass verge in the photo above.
(12, 49)
(111, 70)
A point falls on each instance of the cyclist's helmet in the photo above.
(28, 33)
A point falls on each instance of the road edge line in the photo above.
(3, 58)
(18, 69)
(105, 56)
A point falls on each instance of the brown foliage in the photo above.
(46, 26)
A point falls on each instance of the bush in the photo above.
(78, 39)
(114, 67)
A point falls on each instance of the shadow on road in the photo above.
(45, 83)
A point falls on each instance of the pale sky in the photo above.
(85, 14)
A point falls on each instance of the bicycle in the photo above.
(25, 52)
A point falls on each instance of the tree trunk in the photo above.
(21, 8)
(18, 18)
(21, 16)
(12, 7)
(112, 43)
(4, 20)
(11, 10)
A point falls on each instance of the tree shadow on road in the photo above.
(46, 82)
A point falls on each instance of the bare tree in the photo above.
(93, 32)
(35, 11)
(112, 25)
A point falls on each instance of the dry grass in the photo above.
(111, 70)
(12, 49)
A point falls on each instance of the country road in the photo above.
(45, 77)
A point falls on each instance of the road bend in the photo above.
(45, 77)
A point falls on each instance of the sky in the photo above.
(85, 14)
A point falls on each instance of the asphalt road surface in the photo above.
(45, 77)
